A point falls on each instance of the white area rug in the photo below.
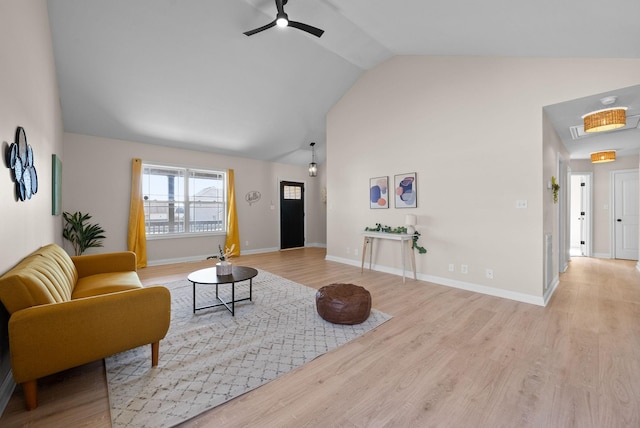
(211, 357)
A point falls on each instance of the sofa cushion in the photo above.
(103, 283)
(45, 276)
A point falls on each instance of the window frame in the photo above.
(186, 174)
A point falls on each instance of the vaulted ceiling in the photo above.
(182, 73)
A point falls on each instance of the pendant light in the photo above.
(313, 166)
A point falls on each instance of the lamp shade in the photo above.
(601, 157)
(605, 119)
(410, 220)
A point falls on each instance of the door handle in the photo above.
(619, 220)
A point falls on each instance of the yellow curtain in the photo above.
(136, 237)
(233, 234)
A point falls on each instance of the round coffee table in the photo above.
(210, 277)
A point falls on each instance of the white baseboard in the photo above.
(602, 255)
(259, 251)
(551, 290)
(477, 288)
(317, 245)
(204, 257)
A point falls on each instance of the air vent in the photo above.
(577, 131)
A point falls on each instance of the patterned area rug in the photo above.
(211, 357)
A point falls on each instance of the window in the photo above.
(179, 201)
(292, 192)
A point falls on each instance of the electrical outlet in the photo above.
(521, 203)
(464, 269)
(452, 267)
(355, 251)
(348, 250)
(246, 243)
(489, 273)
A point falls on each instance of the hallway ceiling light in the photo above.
(601, 157)
(607, 118)
(313, 166)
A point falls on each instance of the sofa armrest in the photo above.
(50, 338)
(92, 264)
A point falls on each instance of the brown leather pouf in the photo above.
(343, 303)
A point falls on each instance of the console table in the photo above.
(403, 238)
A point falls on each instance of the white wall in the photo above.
(28, 98)
(472, 129)
(97, 180)
(555, 220)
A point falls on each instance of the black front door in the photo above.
(291, 214)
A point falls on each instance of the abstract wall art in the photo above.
(379, 192)
(406, 190)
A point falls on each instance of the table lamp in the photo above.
(410, 221)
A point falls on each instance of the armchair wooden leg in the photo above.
(155, 352)
(30, 389)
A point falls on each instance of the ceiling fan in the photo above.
(282, 20)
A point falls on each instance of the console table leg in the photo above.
(364, 251)
(413, 260)
(403, 260)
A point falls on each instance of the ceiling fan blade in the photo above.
(257, 30)
(308, 28)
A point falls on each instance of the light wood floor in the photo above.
(448, 358)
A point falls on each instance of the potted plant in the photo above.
(224, 267)
(81, 234)
(556, 188)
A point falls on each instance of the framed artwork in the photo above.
(56, 185)
(406, 190)
(379, 192)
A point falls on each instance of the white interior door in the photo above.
(580, 216)
(626, 210)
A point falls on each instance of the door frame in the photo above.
(612, 207)
(563, 244)
(304, 207)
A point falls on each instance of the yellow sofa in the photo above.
(68, 311)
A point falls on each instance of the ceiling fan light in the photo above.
(605, 119)
(601, 157)
(282, 20)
